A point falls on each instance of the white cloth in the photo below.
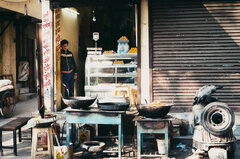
(4, 88)
(5, 82)
(23, 71)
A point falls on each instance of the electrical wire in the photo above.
(15, 1)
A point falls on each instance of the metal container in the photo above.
(153, 111)
(79, 102)
(113, 106)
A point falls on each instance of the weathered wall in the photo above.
(33, 7)
(8, 51)
(145, 89)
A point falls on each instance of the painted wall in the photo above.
(8, 51)
(34, 8)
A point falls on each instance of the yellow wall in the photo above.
(69, 24)
(33, 6)
(8, 51)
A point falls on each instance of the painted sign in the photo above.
(57, 34)
(47, 55)
(57, 77)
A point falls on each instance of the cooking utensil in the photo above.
(79, 102)
(146, 101)
(44, 124)
(153, 111)
(59, 146)
(113, 106)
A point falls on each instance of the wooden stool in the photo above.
(35, 144)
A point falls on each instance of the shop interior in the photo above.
(103, 41)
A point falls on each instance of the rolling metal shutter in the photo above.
(195, 43)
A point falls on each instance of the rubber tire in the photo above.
(209, 108)
(7, 95)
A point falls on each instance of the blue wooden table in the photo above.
(151, 126)
(95, 116)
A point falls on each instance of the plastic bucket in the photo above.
(67, 152)
(161, 145)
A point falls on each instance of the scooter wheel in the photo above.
(217, 118)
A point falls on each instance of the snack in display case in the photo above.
(118, 62)
(109, 52)
(123, 39)
(94, 51)
(133, 50)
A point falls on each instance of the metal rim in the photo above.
(8, 105)
(220, 125)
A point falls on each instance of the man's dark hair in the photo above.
(64, 42)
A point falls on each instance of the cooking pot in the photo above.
(79, 102)
(153, 111)
(113, 106)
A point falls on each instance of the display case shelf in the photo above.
(101, 70)
(114, 75)
(114, 56)
(111, 66)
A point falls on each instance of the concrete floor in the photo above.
(24, 109)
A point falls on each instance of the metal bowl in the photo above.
(79, 102)
(113, 106)
(92, 146)
(44, 124)
(153, 111)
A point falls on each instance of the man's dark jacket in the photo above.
(67, 61)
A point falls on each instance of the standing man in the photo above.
(68, 69)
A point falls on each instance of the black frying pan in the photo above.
(113, 106)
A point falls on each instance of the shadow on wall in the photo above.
(195, 43)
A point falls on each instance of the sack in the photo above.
(23, 71)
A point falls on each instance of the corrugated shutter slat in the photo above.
(195, 43)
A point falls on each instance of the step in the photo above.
(19, 85)
(23, 90)
(26, 96)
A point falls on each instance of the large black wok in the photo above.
(153, 111)
(79, 102)
(113, 106)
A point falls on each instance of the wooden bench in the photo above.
(13, 126)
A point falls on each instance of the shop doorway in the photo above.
(25, 58)
(102, 69)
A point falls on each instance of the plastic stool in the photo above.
(35, 144)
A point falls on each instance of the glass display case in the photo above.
(111, 69)
(106, 72)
